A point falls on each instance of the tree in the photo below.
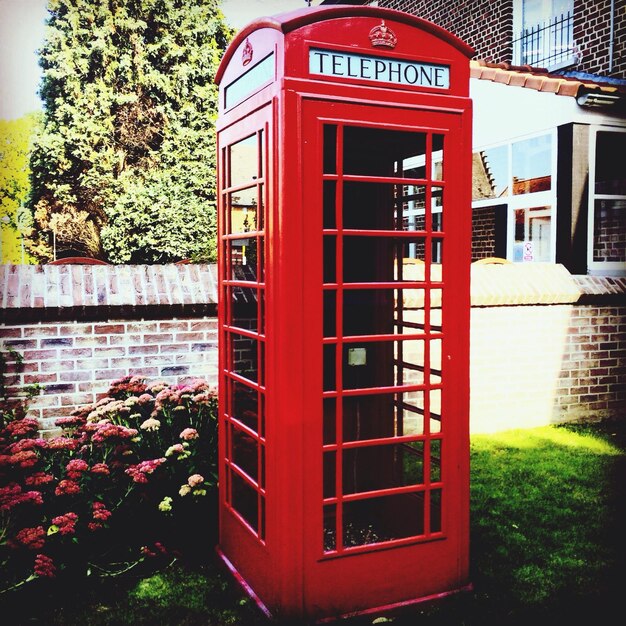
(124, 162)
(15, 222)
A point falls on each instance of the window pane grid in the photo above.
(340, 533)
(243, 329)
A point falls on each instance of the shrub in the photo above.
(130, 478)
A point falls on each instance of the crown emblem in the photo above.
(246, 53)
(382, 36)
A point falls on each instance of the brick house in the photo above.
(549, 90)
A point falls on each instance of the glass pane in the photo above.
(330, 204)
(609, 231)
(244, 356)
(532, 234)
(245, 500)
(532, 165)
(244, 161)
(330, 528)
(330, 259)
(435, 460)
(435, 410)
(245, 453)
(435, 510)
(375, 520)
(330, 420)
(610, 170)
(383, 467)
(329, 367)
(244, 310)
(384, 415)
(385, 148)
(490, 173)
(243, 210)
(330, 465)
(243, 259)
(436, 207)
(437, 157)
(330, 149)
(330, 313)
(245, 405)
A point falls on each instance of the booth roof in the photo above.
(292, 20)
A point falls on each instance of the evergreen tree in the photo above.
(124, 162)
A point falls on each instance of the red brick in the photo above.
(41, 331)
(109, 329)
(30, 379)
(110, 374)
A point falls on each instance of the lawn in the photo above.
(547, 524)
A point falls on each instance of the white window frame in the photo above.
(616, 268)
(525, 200)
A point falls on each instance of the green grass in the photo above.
(547, 544)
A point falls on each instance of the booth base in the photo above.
(386, 609)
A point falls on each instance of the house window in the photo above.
(544, 33)
(607, 201)
(516, 179)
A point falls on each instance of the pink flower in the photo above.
(62, 443)
(75, 468)
(74, 421)
(144, 398)
(139, 473)
(31, 538)
(66, 523)
(93, 526)
(100, 468)
(189, 433)
(12, 495)
(23, 427)
(195, 479)
(24, 459)
(100, 512)
(67, 488)
(27, 444)
(44, 566)
(39, 478)
(104, 432)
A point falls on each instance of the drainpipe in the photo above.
(611, 35)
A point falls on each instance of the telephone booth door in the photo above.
(384, 275)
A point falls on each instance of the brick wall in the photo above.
(592, 20)
(545, 346)
(76, 361)
(79, 328)
(488, 27)
(483, 232)
(535, 365)
(485, 25)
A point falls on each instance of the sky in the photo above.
(22, 32)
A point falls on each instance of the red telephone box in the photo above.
(344, 143)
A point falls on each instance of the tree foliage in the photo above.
(124, 162)
(15, 221)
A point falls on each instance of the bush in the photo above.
(130, 479)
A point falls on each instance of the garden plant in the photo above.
(128, 481)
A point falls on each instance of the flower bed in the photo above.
(131, 478)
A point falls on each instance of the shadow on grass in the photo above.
(547, 544)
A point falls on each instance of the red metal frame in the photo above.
(274, 432)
